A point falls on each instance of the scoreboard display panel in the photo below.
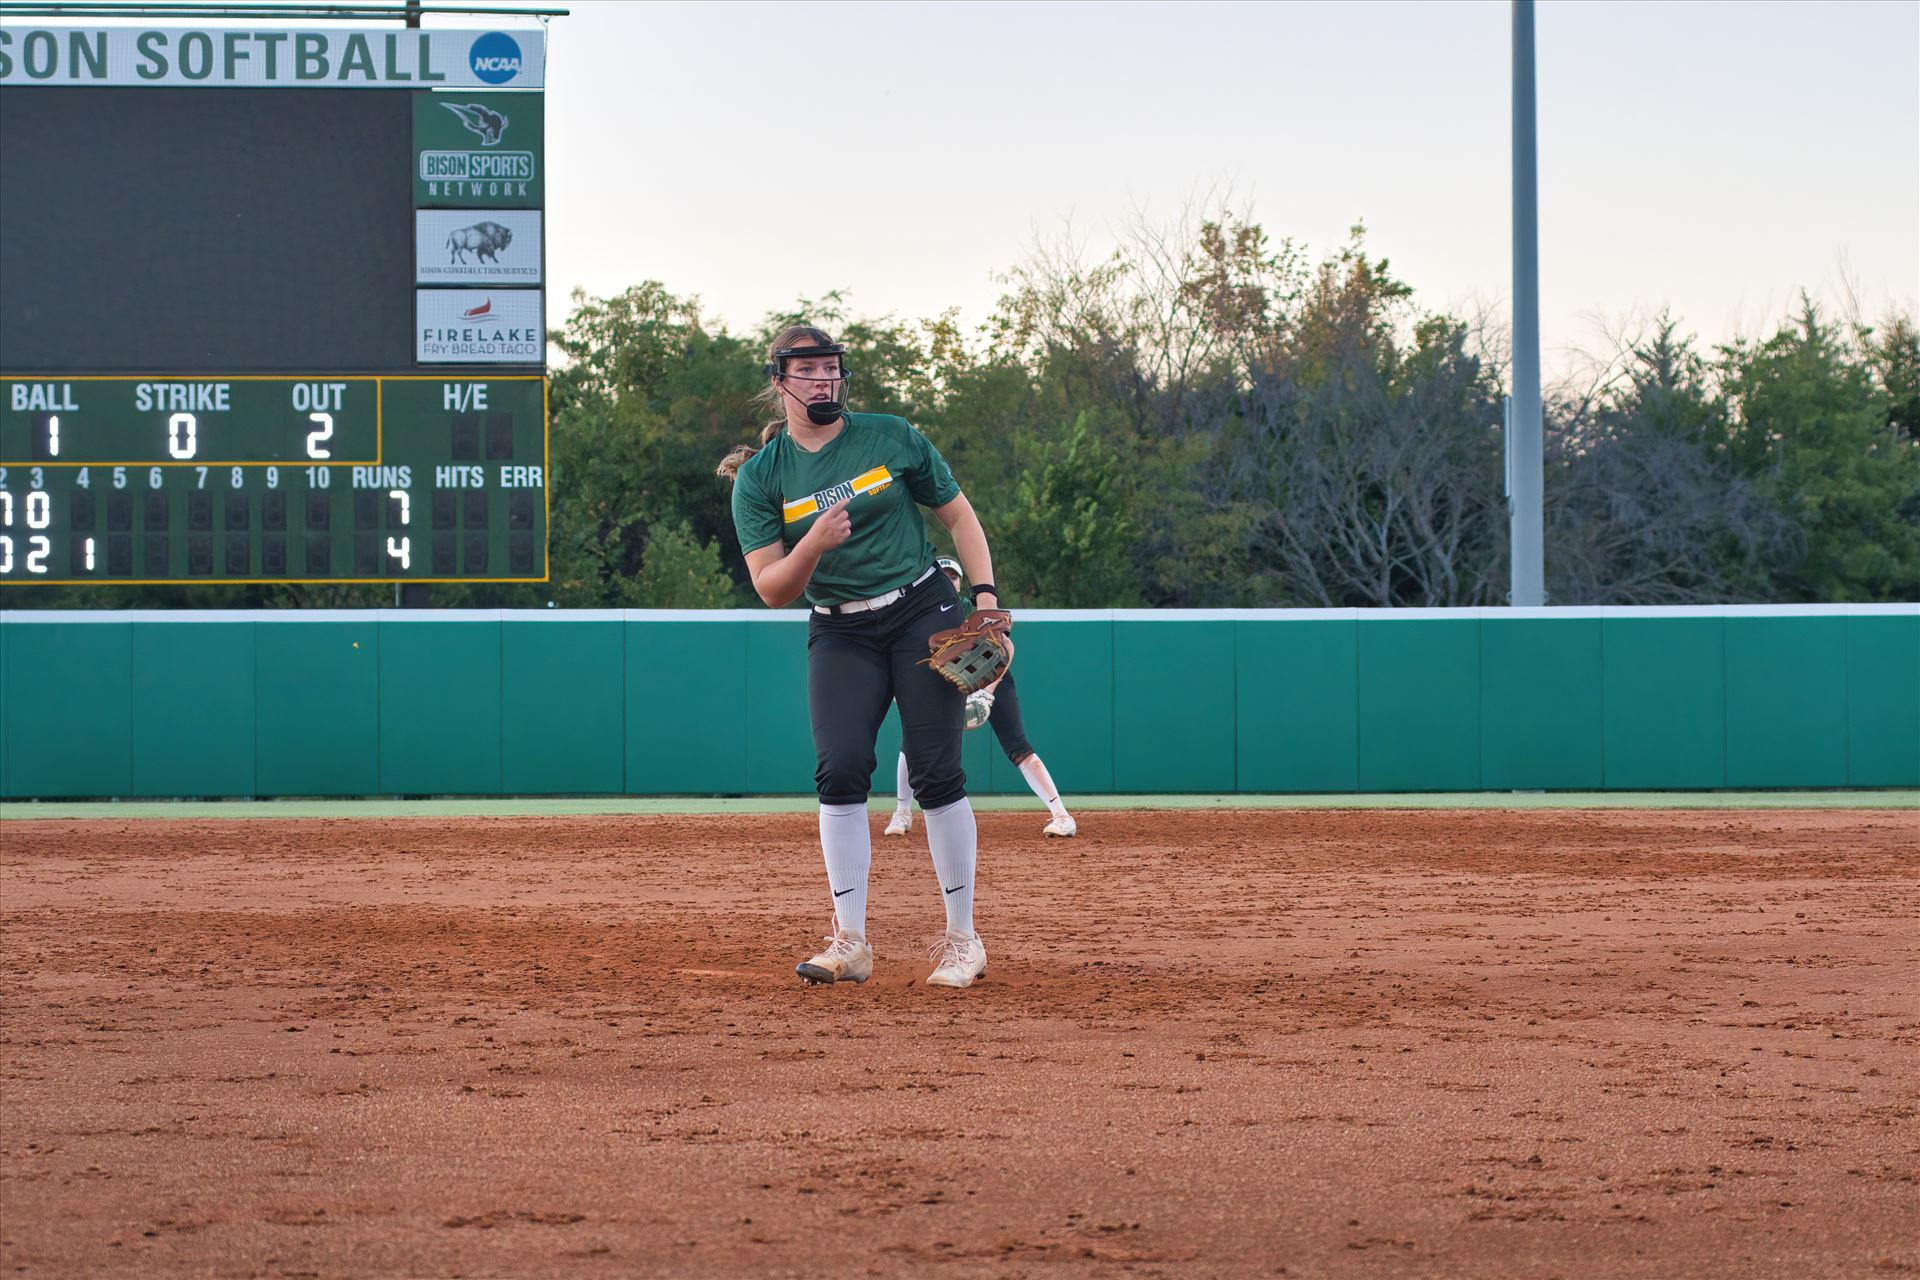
(256, 327)
(155, 480)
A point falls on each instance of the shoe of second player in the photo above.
(958, 960)
(846, 958)
(1062, 826)
(901, 823)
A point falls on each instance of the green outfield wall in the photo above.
(638, 702)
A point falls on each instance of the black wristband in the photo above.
(973, 592)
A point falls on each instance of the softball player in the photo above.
(1001, 704)
(829, 508)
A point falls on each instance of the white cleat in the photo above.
(958, 960)
(1062, 826)
(901, 824)
(847, 958)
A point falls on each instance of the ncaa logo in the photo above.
(495, 57)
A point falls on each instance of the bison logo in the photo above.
(481, 119)
(484, 240)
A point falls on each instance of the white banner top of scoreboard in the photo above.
(283, 58)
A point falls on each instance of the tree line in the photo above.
(1210, 418)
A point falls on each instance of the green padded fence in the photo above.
(635, 702)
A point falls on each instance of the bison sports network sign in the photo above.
(478, 150)
(231, 58)
(476, 246)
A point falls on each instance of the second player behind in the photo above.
(999, 706)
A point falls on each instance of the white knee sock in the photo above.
(1042, 784)
(848, 846)
(952, 836)
(905, 802)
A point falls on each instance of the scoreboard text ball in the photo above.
(252, 331)
(367, 479)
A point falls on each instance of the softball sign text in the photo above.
(294, 59)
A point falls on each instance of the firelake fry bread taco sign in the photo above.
(322, 58)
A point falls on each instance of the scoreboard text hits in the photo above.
(269, 479)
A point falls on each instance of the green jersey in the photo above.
(884, 467)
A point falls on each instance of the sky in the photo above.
(1713, 159)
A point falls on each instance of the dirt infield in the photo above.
(1277, 1044)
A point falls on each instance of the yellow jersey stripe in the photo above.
(866, 482)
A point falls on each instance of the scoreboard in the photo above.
(255, 328)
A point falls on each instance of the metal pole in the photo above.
(1524, 468)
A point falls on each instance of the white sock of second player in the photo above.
(903, 802)
(1042, 783)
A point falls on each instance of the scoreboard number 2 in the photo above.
(316, 441)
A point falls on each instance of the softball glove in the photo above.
(976, 653)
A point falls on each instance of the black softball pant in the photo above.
(858, 664)
(1007, 724)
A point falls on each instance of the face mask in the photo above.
(819, 413)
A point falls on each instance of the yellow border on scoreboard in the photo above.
(379, 429)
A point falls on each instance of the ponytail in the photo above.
(737, 456)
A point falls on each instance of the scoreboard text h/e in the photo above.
(263, 479)
(315, 356)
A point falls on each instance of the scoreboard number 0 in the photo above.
(182, 437)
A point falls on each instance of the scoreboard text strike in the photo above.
(269, 479)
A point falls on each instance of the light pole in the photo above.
(1525, 471)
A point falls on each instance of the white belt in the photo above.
(878, 602)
